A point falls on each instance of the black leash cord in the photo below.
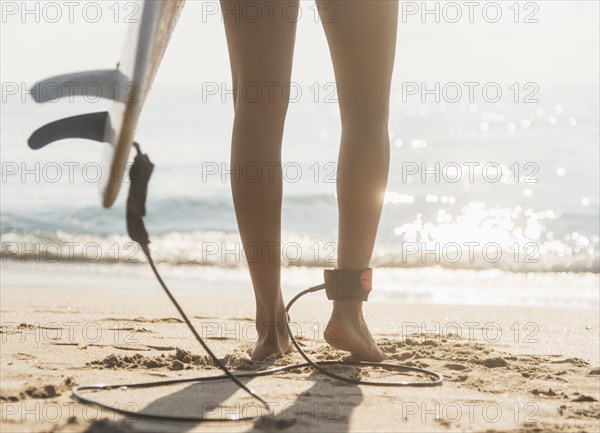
(139, 174)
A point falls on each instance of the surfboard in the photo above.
(128, 85)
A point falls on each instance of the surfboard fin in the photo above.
(89, 126)
(102, 83)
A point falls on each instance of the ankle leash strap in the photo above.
(348, 284)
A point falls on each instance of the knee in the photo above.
(263, 104)
(368, 117)
(268, 114)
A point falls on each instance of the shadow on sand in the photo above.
(326, 406)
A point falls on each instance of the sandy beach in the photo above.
(506, 369)
(451, 147)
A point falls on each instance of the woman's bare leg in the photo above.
(362, 41)
(261, 52)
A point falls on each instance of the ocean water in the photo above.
(474, 187)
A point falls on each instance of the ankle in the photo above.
(269, 311)
(347, 309)
(271, 328)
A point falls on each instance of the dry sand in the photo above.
(506, 369)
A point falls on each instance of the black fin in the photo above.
(89, 126)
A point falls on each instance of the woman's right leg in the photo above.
(261, 45)
(362, 41)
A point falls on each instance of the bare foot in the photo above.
(273, 339)
(348, 331)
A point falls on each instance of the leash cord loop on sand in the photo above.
(139, 174)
